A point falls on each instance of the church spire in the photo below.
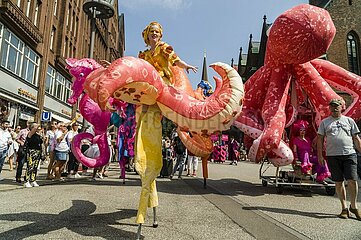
(204, 70)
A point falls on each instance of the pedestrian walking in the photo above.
(33, 152)
(341, 134)
(20, 139)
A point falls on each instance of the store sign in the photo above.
(26, 117)
(66, 112)
(26, 94)
(46, 116)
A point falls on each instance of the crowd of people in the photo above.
(36, 145)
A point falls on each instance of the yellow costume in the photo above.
(161, 58)
(148, 155)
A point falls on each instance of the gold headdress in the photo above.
(146, 31)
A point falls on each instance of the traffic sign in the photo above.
(46, 116)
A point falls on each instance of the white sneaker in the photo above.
(100, 175)
(27, 185)
(2, 179)
(71, 176)
(77, 175)
(34, 184)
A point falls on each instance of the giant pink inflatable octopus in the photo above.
(296, 39)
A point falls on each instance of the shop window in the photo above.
(352, 53)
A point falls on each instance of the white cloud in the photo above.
(174, 5)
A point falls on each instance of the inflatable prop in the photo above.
(135, 81)
(91, 112)
(296, 38)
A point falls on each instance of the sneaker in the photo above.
(188, 175)
(77, 175)
(357, 213)
(344, 214)
(27, 185)
(194, 175)
(34, 184)
(71, 176)
(18, 180)
(2, 179)
(99, 175)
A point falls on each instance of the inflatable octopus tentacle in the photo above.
(273, 112)
(103, 149)
(309, 79)
(217, 112)
(342, 80)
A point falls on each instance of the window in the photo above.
(50, 80)
(55, 7)
(27, 12)
(36, 13)
(65, 47)
(59, 86)
(352, 53)
(52, 36)
(12, 51)
(67, 90)
(31, 66)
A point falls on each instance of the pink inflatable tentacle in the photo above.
(217, 112)
(91, 162)
(342, 80)
(273, 110)
(309, 79)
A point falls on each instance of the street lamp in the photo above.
(103, 9)
(97, 9)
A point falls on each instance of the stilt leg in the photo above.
(139, 232)
(155, 223)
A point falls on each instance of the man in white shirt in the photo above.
(5, 142)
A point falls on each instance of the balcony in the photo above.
(19, 22)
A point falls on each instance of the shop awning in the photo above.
(3, 95)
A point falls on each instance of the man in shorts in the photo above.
(342, 138)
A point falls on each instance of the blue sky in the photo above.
(219, 27)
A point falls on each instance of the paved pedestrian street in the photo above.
(235, 205)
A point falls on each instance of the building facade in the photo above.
(36, 37)
(345, 48)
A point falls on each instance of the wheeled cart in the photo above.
(287, 176)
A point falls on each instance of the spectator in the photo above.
(61, 150)
(341, 134)
(181, 154)
(20, 139)
(73, 163)
(13, 148)
(5, 142)
(50, 143)
(33, 152)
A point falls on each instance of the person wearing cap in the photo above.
(341, 135)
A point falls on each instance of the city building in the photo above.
(36, 38)
(344, 50)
